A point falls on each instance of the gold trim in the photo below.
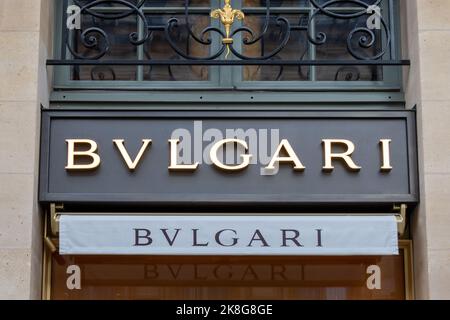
(47, 261)
(227, 15)
(401, 218)
(408, 264)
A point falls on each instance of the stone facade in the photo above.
(427, 44)
(25, 32)
(25, 43)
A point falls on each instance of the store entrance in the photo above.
(230, 277)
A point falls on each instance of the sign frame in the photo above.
(221, 200)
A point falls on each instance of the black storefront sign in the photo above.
(381, 170)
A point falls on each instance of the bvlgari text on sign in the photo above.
(228, 235)
(224, 237)
(284, 155)
(229, 158)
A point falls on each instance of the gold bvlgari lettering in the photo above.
(174, 165)
(386, 155)
(91, 153)
(290, 158)
(245, 157)
(132, 164)
(284, 154)
(346, 156)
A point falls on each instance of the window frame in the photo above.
(227, 81)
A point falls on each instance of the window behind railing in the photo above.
(278, 44)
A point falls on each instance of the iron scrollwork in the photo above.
(366, 40)
(365, 45)
(91, 38)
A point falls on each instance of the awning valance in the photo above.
(228, 235)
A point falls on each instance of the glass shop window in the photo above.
(230, 278)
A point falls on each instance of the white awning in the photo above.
(228, 235)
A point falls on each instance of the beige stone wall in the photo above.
(427, 85)
(24, 39)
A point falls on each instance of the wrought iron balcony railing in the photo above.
(368, 41)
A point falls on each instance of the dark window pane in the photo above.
(275, 3)
(117, 28)
(335, 48)
(228, 277)
(350, 3)
(117, 35)
(295, 49)
(158, 48)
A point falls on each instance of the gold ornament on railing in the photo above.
(227, 15)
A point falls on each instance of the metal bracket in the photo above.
(54, 217)
(401, 218)
(51, 227)
(49, 243)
